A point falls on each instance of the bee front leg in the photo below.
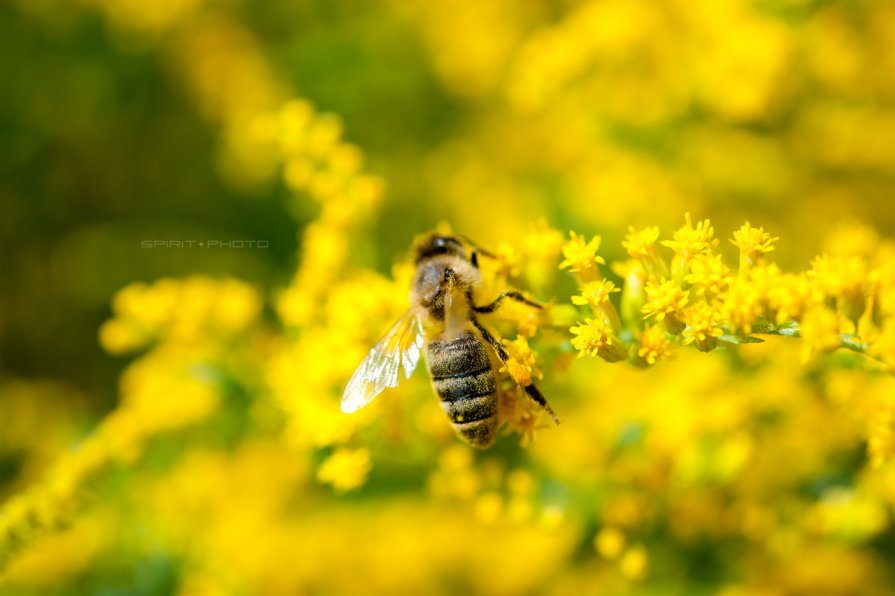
(511, 294)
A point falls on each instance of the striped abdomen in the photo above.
(464, 380)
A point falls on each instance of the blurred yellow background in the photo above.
(207, 207)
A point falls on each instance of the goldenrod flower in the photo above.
(690, 241)
(508, 261)
(635, 562)
(819, 331)
(520, 413)
(521, 366)
(708, 275)
(884, 345)
(595, 294)
(703, 326)
(609, 542)
(843, 278)
(581, 255)
(881, 432)
(742, 305)
(543, 242)
(791, 296)
(653, 345)
(753, 243)
(641, 245)
(665, 300)
(346, 469)
(542, 245)
(594, 338)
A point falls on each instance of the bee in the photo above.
(442, 323)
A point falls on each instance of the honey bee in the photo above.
(442, 319)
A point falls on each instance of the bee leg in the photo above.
(502, 354)
(476, 251)
(513, 295)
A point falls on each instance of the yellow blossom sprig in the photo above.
(346, 469)
(689, 242)
(666, 301)
(641, 246)
(596, 295)
(754, 244)
(703, 305)
(593, 338)
(580, 256)
(160, 403)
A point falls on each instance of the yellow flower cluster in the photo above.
(696, 299)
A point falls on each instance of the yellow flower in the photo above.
(703, 326)
(881, 433)
(708, 275)
(610, 542)
(840, 276)
(690, 241)
(641, 244)
(653, 345)
(665, 301)
(884, 345)
(543, 242)
(507, 261)
(346, 469)
(595, 293)
(580, 255)
(819, 331)
(845, 279)
(635, 562)
(791, 296)
(594, 338)
(742, 306)
(520, 413)
(665, 298)
(521, 365)
(753, 243)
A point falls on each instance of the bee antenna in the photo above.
(478, 249)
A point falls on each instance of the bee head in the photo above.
(438, 244)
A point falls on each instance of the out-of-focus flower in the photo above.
(653, 345)
(345, 469)
(753, 243)
(742, 305)
(609, 542)
(580, 255)
(820, 331)
(635, 562)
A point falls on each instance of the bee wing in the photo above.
(398, 349)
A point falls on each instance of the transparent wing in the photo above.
(398, 349)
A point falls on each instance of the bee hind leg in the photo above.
(532, 391)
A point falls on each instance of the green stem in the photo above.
(792, 329)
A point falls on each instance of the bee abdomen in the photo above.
(463, 378)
